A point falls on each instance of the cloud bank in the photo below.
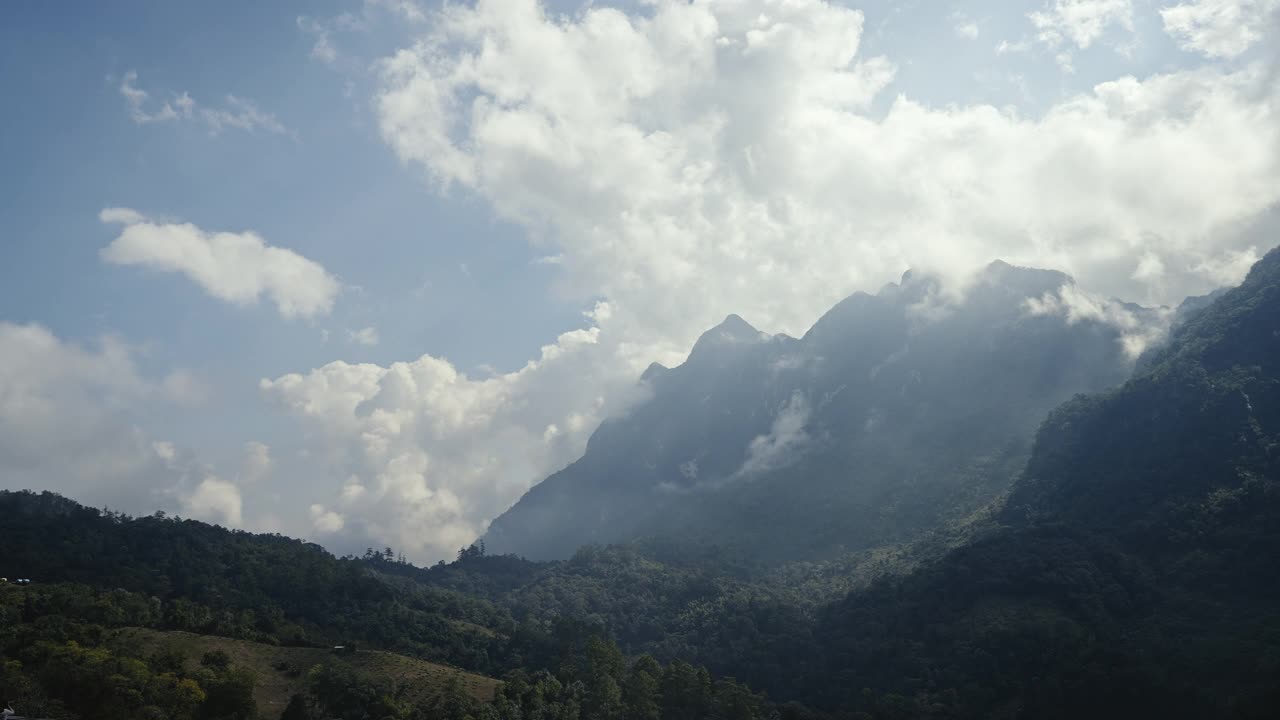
(68, 424)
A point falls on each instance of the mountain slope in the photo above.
(895, 413)
(1135, 574)
(211, 580)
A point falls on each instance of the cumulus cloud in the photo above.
(684, 159)
(238, 112)
(424, 456)
(687, 160)
(68, 424)
(235, 267)
(325, 522)
(1219, 28)
(216, 501)
(61, 412)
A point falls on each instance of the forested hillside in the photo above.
(1135, 574)
(260, 587)
(70, 647)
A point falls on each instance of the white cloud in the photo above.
(136, 98)
(216, 501)
(967, 29)
(235, 267)
(322, 49)
(326, 522)
(257, 462)
(406, 10)
(239, 113)
(641, 148)
(692, 160)
(424, 456)
(1080, 22)
(363, 336)
(68, 424)
(63, 419)
(785, 439)
(185, 388)
(1218, 28)
(1230, 267)
(1005, 47)
(1137, 333)
(400, 12)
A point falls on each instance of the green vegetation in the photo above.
(167, 618)
(282, 671)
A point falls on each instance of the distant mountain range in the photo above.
(896, 413)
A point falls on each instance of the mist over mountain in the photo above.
(895, 413)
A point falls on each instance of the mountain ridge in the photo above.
(776, 410)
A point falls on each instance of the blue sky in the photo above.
(520, 207)
(330, 191)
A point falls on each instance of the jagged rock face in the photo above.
(895, 412)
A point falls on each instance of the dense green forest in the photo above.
(99, 571)
(1129, 572)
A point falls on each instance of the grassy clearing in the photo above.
(282, 671)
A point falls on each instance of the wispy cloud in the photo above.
(1064, 26)
(363, 336)
(1218, 28)
(786, 437)
(237, 113)
(323, 30)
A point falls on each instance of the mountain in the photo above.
(896, 413)
(1127, 571)
(1133, 574)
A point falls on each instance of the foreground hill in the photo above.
(162, 618)
(896, 413)
(211, 580)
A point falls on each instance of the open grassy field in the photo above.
(282, 671)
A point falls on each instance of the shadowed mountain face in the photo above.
(895, 413)
(1134, 572)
